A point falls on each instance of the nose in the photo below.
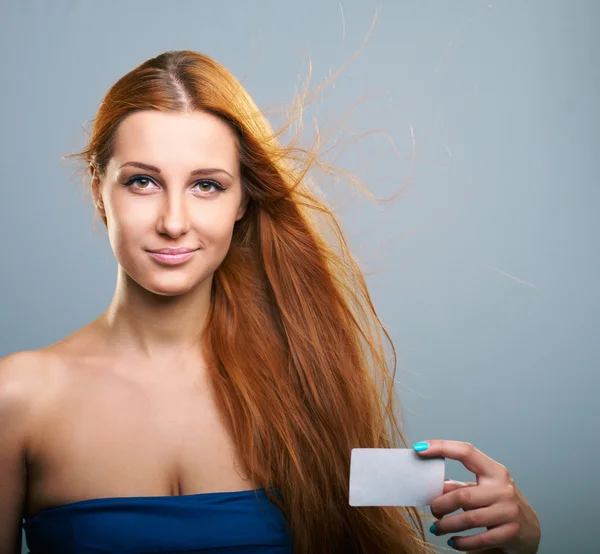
(173, 218)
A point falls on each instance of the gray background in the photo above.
(484, 269)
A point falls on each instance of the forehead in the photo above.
(173, 140)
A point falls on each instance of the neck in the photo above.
(145, 326)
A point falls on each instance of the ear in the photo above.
(96, 191)
(243, 206)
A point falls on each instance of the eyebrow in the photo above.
(200, 171)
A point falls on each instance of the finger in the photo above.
(467, 498)
(472, 458)
(451, 485)
(488, 539)
(492, 516)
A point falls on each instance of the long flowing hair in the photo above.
(296, 351)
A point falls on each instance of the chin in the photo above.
(163, 287)
(167, 292)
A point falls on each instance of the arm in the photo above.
(14, 402)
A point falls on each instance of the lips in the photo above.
(173, 251)
(172, 256)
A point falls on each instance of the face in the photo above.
(171, 205)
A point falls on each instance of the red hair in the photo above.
(295, 347)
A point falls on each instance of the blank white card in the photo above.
(394, 477)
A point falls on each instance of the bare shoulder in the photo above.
(17, 371)
(26, 381)
(35, 379)
(27, 378)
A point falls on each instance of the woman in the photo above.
(214, 405)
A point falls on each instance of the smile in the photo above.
(172, 259)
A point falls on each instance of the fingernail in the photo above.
(432, 529)
(420, 446)
(451, 543)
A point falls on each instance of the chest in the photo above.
(103, 438)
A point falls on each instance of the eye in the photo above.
(139, 178)
(204, 182)
(210, 184)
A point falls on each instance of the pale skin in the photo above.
(494, 501)
(122, 407)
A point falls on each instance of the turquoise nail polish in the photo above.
(451, 543)
(432, 529)
(420, 446)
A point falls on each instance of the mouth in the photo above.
(173, 251)
(172, 256)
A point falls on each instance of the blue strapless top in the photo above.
(241, 522)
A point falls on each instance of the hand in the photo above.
(494, 502)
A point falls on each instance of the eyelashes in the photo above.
(215, 184)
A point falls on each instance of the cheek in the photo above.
(127, 233)
(216, 228)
